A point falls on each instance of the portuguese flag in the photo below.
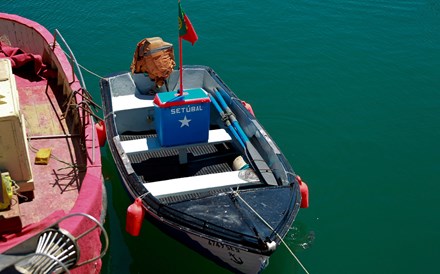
(186, 30)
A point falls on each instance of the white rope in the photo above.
(91, 72)
(15, 189)
(84, 68)
(268, 225)
(143, 195)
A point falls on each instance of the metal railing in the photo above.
(86, 97)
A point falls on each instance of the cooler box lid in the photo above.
(190, 96)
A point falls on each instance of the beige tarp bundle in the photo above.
(154, 57)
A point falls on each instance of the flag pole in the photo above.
(180, 58)
(186, 31)
(181, 66)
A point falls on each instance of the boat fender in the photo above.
(239, 164)
(135, 216)
(100, 129)
(271, 246)
(304, 192)
(248, 107)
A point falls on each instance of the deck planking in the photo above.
(56, 184)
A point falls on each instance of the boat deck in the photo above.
(202, 160)
(163, 169)
(56, 184)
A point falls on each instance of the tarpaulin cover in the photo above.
(19, 58)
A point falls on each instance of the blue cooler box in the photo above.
(182, 119)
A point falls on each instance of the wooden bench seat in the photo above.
(191, 184)
(152, 143)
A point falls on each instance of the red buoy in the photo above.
(248, 107)
(304, 193)
(100, 129)
(135, 216)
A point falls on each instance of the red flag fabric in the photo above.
(186, 30)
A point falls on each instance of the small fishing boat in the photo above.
(197, 162)
(52, 196)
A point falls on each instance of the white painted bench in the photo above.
(152, 143)
(190, 184)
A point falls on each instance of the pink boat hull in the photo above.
(58, 188)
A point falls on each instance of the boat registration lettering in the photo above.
(181, 110)
(223, 246)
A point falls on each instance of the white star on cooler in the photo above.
(185, 122)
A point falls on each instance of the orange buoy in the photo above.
(304, 193)
(248, 107)
(135, 216)
(100, 129)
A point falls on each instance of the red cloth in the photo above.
(186, 29)
(19, 58)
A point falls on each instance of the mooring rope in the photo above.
(89, 71)
(269, 226)
(143, 195)
(81, 66)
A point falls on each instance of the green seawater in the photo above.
(349, 90)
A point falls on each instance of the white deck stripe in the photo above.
(152, 143)
(189, 184)
(127, 102)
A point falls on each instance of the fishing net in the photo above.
(154, 57)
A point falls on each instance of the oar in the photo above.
(259, 163)
(226, 120)
(231, 117)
